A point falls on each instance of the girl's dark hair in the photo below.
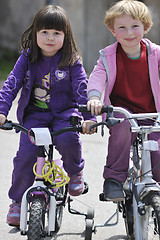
(51, 17)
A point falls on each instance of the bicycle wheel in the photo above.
(128, 217)
(59, 208)
(151, 220)
(89, 229)
(37, 219)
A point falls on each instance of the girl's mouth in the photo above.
(50, 45)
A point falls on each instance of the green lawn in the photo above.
(5, 68)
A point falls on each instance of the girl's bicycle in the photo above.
(141, 207)
(42, 204)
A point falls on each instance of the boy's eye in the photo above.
(135, 25)
(121, 27)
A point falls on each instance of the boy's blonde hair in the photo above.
(136, 9)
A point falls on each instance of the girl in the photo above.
(53, 83)
(131, 68)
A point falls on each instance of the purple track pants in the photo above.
(120, 140)
(68, 144)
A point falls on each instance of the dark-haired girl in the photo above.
(53, 82)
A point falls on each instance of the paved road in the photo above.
(73, 226)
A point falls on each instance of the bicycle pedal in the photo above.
(102, 197)
(86, 188)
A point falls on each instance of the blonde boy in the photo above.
(130, 67)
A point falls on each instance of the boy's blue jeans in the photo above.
(68, 144)
(119, 144)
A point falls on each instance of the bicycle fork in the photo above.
(39, 185)
(142, 188)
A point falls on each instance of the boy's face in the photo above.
(128, 31)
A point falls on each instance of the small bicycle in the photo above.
(141, 207)
(43, 203)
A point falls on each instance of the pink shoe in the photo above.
(13, 216)
(76, 184)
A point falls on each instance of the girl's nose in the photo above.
(50, 37)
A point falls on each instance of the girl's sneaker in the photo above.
(13, 216)
(76, 184)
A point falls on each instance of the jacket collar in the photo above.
(111, 49)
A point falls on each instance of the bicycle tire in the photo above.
(59, 210)
(128, 218)
(89, 229)
(151, 220)
(37, 218)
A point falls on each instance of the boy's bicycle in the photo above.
(42, 204)
(141, 207)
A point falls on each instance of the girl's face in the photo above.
(50, 41)
(128, 32)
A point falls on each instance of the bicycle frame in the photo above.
(54, 199)
(140, 188)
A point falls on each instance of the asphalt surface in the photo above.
(73, 226)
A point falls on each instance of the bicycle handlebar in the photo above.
(111, 120)
(105, 109)
(9, 125)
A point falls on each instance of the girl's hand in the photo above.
(94, 105)
(86, 126)
(2, 119)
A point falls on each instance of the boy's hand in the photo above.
(2, 119)
(86, 125)
(94, 105)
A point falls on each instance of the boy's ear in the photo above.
(112, 31)
(146, 31)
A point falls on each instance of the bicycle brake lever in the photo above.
(110, 122)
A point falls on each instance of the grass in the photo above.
(5, 68)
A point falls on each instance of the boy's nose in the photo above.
(129, 30)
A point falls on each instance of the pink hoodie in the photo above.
(103, 76)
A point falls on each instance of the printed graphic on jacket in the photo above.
(42, 92)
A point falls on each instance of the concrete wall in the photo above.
(87, 20)
(15, 17)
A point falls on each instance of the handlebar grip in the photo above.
(7, 125)
(83, 108)
(79, 129)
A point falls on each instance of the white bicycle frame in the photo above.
(147, 147)
(42, 137)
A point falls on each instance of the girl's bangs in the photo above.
(52, 21)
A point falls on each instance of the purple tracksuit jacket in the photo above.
(68, 89)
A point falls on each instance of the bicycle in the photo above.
(47, 197)
(141, 207)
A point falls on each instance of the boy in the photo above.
(128, 72)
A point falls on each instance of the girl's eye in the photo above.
(44, 32)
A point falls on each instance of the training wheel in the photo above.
(90, 213)
(89, 229)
